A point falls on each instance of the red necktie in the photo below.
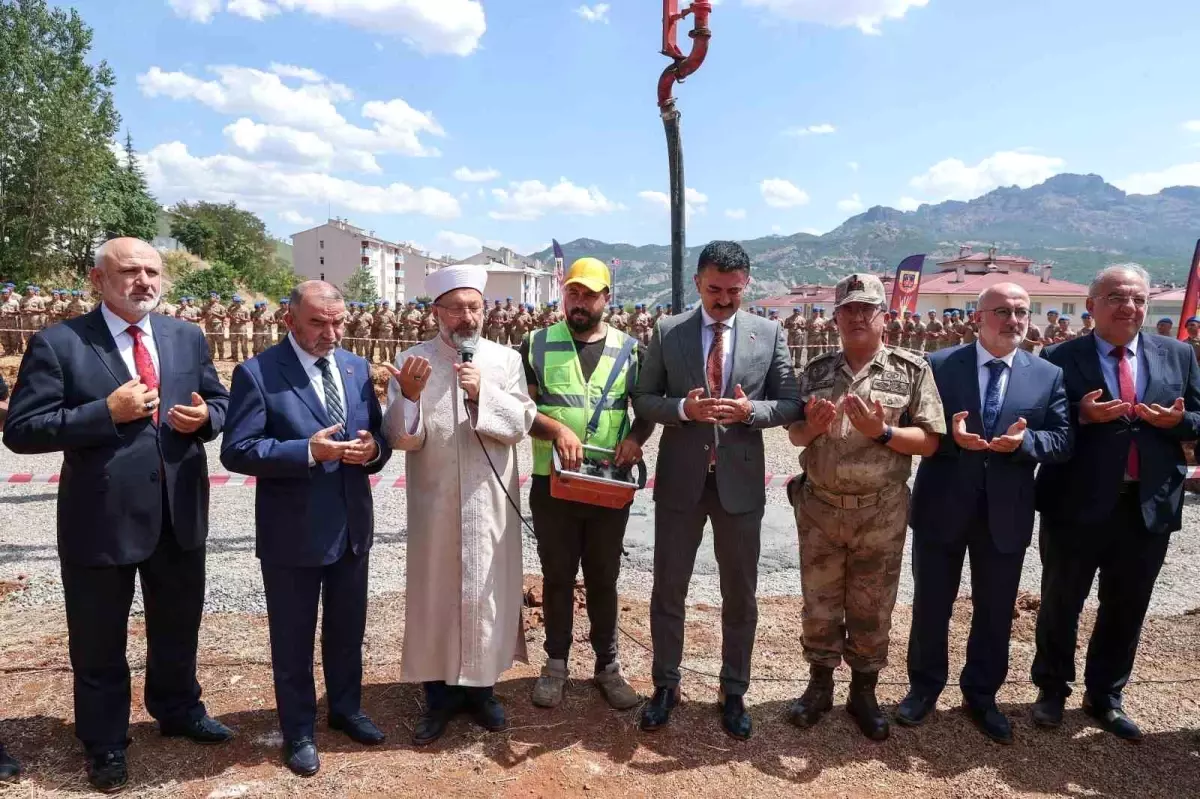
(715, 370)
(1128, 394)
(144, 363)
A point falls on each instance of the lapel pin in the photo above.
(349, 371)
(752, 337)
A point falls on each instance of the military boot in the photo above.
(863, 706)
(551, 685)
(817, 699)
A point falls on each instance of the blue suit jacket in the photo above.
(946, 493)
(304, 516)
(110, 500)
(1085, 491)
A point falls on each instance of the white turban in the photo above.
(459, 276)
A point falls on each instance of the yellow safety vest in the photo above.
(564, 396)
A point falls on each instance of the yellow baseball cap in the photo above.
(591, 273)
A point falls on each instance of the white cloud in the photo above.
(1192, 125)
(468, 175)
(823, 129)
(173, 174)
(694, 202)
(531, 199)
(853, 165)
(866, 15)
(279, 144)
(735, 213)
(310, 107)
(195, 10)
(779, 193)
(908, 204)
(851, 205)
(451, 27)
(1154, 182)
(460, 245)
(596, 13)
(295, 218)
(954, 180)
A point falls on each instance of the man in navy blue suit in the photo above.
(133, 500)
(305, 421)
(1135, 397)
(1007, 412)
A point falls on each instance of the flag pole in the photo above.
(1191, 296)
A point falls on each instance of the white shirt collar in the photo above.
(707, 321)
(117, 325)
(1107, 347)
(308, 361)
(983, 357)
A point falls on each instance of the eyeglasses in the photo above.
(1121, 299)
(461, 310)
(1005, 314)
(859, 311)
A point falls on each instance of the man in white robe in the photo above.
(456, 419)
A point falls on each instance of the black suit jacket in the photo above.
(1084, 491)
(946, 493)
(110, 499)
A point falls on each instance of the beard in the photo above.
(462, 333)
(142, 306)
(580, 321)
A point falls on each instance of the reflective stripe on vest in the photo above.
(565, 397)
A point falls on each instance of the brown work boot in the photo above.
(817, 699)
(550, 687)
(865, 708)
(616, 689)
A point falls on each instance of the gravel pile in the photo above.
(27, 542)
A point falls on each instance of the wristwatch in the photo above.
(887, 434)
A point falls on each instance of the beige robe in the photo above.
(463, 622)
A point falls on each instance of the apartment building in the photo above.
(526, 280)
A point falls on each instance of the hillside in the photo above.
(1077, 223)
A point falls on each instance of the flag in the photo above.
(1191, 297)
(559, 260)
(908, 284)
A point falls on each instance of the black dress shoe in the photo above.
(489, 714)
(1114, 720)
(358, 728)
(657, 711)
(301, 757)
(432, 725)
(914, 709)
(1047, 711)
(817, 699)
(107, 772)
(864, 707)
(204, 730)
(735, 719)
(10, 769)
(990, 721)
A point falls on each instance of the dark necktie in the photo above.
(715, 371)
(144, 364)
(333, 403)
(991, 402)
(1128, 394)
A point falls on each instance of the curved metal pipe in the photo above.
(700, 34)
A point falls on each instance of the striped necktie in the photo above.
(333, 402)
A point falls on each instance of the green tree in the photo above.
(197, 235)
(57, 120)
(126, 207)
(219, 277)
(361, 286)
(223, 232)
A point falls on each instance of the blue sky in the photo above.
(454, 122)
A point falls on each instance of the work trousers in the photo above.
(98, 599)
(1128, 559)
(736, 541)
(569, 534)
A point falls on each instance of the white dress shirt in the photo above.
(119, 329)
(982, 359)
(1108, 366)
(309, 364)
(707, 334)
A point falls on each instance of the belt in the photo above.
(853, 501)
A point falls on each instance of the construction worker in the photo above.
(581, 372)
(239, 330)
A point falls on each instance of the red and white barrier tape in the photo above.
(378, 481)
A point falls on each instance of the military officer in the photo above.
(868, 410)
(239, 330)
(214, 316)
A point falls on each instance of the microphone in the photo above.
(466, 350)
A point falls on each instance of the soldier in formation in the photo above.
(1193, 335)
(795, 327)
(894, 331)
(933, 332)
(215, 316)
(522, 324)
(10, 321)
(1088, 325)
(1163, 327)
(33, 313)
(494, 327)
(385, 333)
(816, 334)
(363, 321)
(75, 308)
(1051, 331)
(281, 330)
(260, 323)
(428, 329)
(868, 410)
(239, 330)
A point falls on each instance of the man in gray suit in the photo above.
(714, 378)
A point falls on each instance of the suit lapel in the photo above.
(1156, 368)
(102, 342)
(345, 370)
(691, 348)
(743, 338)
(293, 372)
(969, 370)
(163, 343)
(1018, 379)
(1087, 360)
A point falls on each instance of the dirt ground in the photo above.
(585, 749)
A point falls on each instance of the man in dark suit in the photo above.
(304, 420)
(1007, 412)
(1135, 398)
(714, 378)
(133, 500)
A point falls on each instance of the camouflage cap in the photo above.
(859, 288)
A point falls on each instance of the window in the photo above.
(1068, 308)
(972, 305)
(322, 260)
(1035, 308)
(322, 244)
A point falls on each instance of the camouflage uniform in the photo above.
(934, 330)
(281, 330)
(522, 325)
(10, 323)
(261, 325)
(970, 331)
(1031, 340)
(75, 306)
(362, 331)
(893, 332)
(58, 308)
(428, 330)
(385, 332)
(795, 327)
(33, 314)
(214, 315)
(1193, 341)
(410, 326)
(816, 337)
(494, 328)
(918, 336)
(239, 331)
